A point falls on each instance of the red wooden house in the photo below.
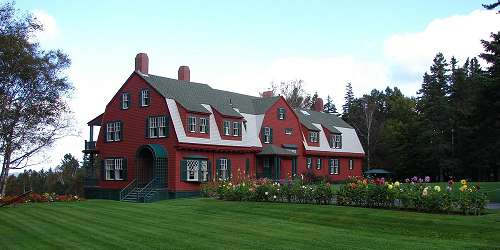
(161, 138)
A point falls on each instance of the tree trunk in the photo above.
(5, 172)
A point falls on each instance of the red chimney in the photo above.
(142, 63)
(184, 73)
(267, 94)
(318, 105)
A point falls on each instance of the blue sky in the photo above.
(242, 46)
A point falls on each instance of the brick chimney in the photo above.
(142, 63)
(318, 105)
(267, 93)
(184, 73)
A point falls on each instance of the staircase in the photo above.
(146, 194)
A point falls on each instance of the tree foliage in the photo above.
(33, 92)
(329, 106)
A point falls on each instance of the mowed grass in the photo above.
(212, 224)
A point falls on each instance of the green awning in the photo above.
(275, 150)
(157, 150)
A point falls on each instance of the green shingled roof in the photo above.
(275, 150)
(192, 95)
(329, 121)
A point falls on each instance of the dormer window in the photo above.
(281, 114)
(125, 100)
(145, 100)
(313, 136)
(236, 129)
(203, 125)
(337, 141)
(227, 128)
(192, 124)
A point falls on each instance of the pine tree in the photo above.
(348, 100)
(329, 106)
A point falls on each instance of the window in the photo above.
(318, 163)
(223, 168)
(114, 169)
(337, 141)
(157, 127)
(309, 162)
(114, 131)
(227, 128)
(313, 136)
(281, 114)
(192, 167)
(145, 100)
(125, 100)
(192, 124)
(351, 164)
(196, 170)
(267, 135)
(236, 129)
(334, 166)
(203, 125)
(288, 131)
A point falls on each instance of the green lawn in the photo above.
(205, 223)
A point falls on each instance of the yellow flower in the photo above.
(396, 184)
(389, 186)
(463, 188)
(437, 188)
(463, 182)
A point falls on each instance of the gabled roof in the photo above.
(329, 121)
(192, 95)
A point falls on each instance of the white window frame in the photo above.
(236, 129)
(288, 131)
(227, 128)
(114, 166)
(109, 165)
(313, 136)
(281, 112)
(267, 135)
(309, 162)
(351, 164)
(119, 169)
(223, 169)
(118, 129)
(162, 126)
(192, 170)
(125, 100)
(337, 141)
(318, 163)
(153, 127)
(144, 97)
(192, 124)
(334, 166)
(110, 131)
(203, 125)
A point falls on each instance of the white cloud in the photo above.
(50, 29)
(457, 36)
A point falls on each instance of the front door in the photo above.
(145, 161)
(268, 168)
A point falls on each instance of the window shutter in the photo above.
(229, 168)
(103, 173)
(239, 129)
(330, 141)
(183, 170)
(105, 131)
(278, 113)
(200, 171)
(340, 142)
(217, 171)
(146, 130)
(121, 130)
(271, 135)
(167, 125)
(284, 114)
(262, 134)
(209, 168)
(140, 99)
(129, 101)
(208, 126)
(121, 101)
(125, 169)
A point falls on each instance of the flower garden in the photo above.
(415, 194)
(45, 197)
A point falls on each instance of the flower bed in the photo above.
(415, 194)
(45, 197)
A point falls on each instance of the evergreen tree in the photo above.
(348, 100)
(329, 106)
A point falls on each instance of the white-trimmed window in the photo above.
(313, 136)
(318, 163)
(309, 162)
(281, 113)
(288, 131)
(192, 124)
(162, 126)
(153, 127)
(157, 127)
(223, 169)
(236, 129)
(351, 164)
(334, 166)
(114, 131)
(114, 169)
(337, 141)
(267, 135)
(203, 125)
(192, 167)
(125, 100)
(227, 128)
(145, 100)
(204, 170)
